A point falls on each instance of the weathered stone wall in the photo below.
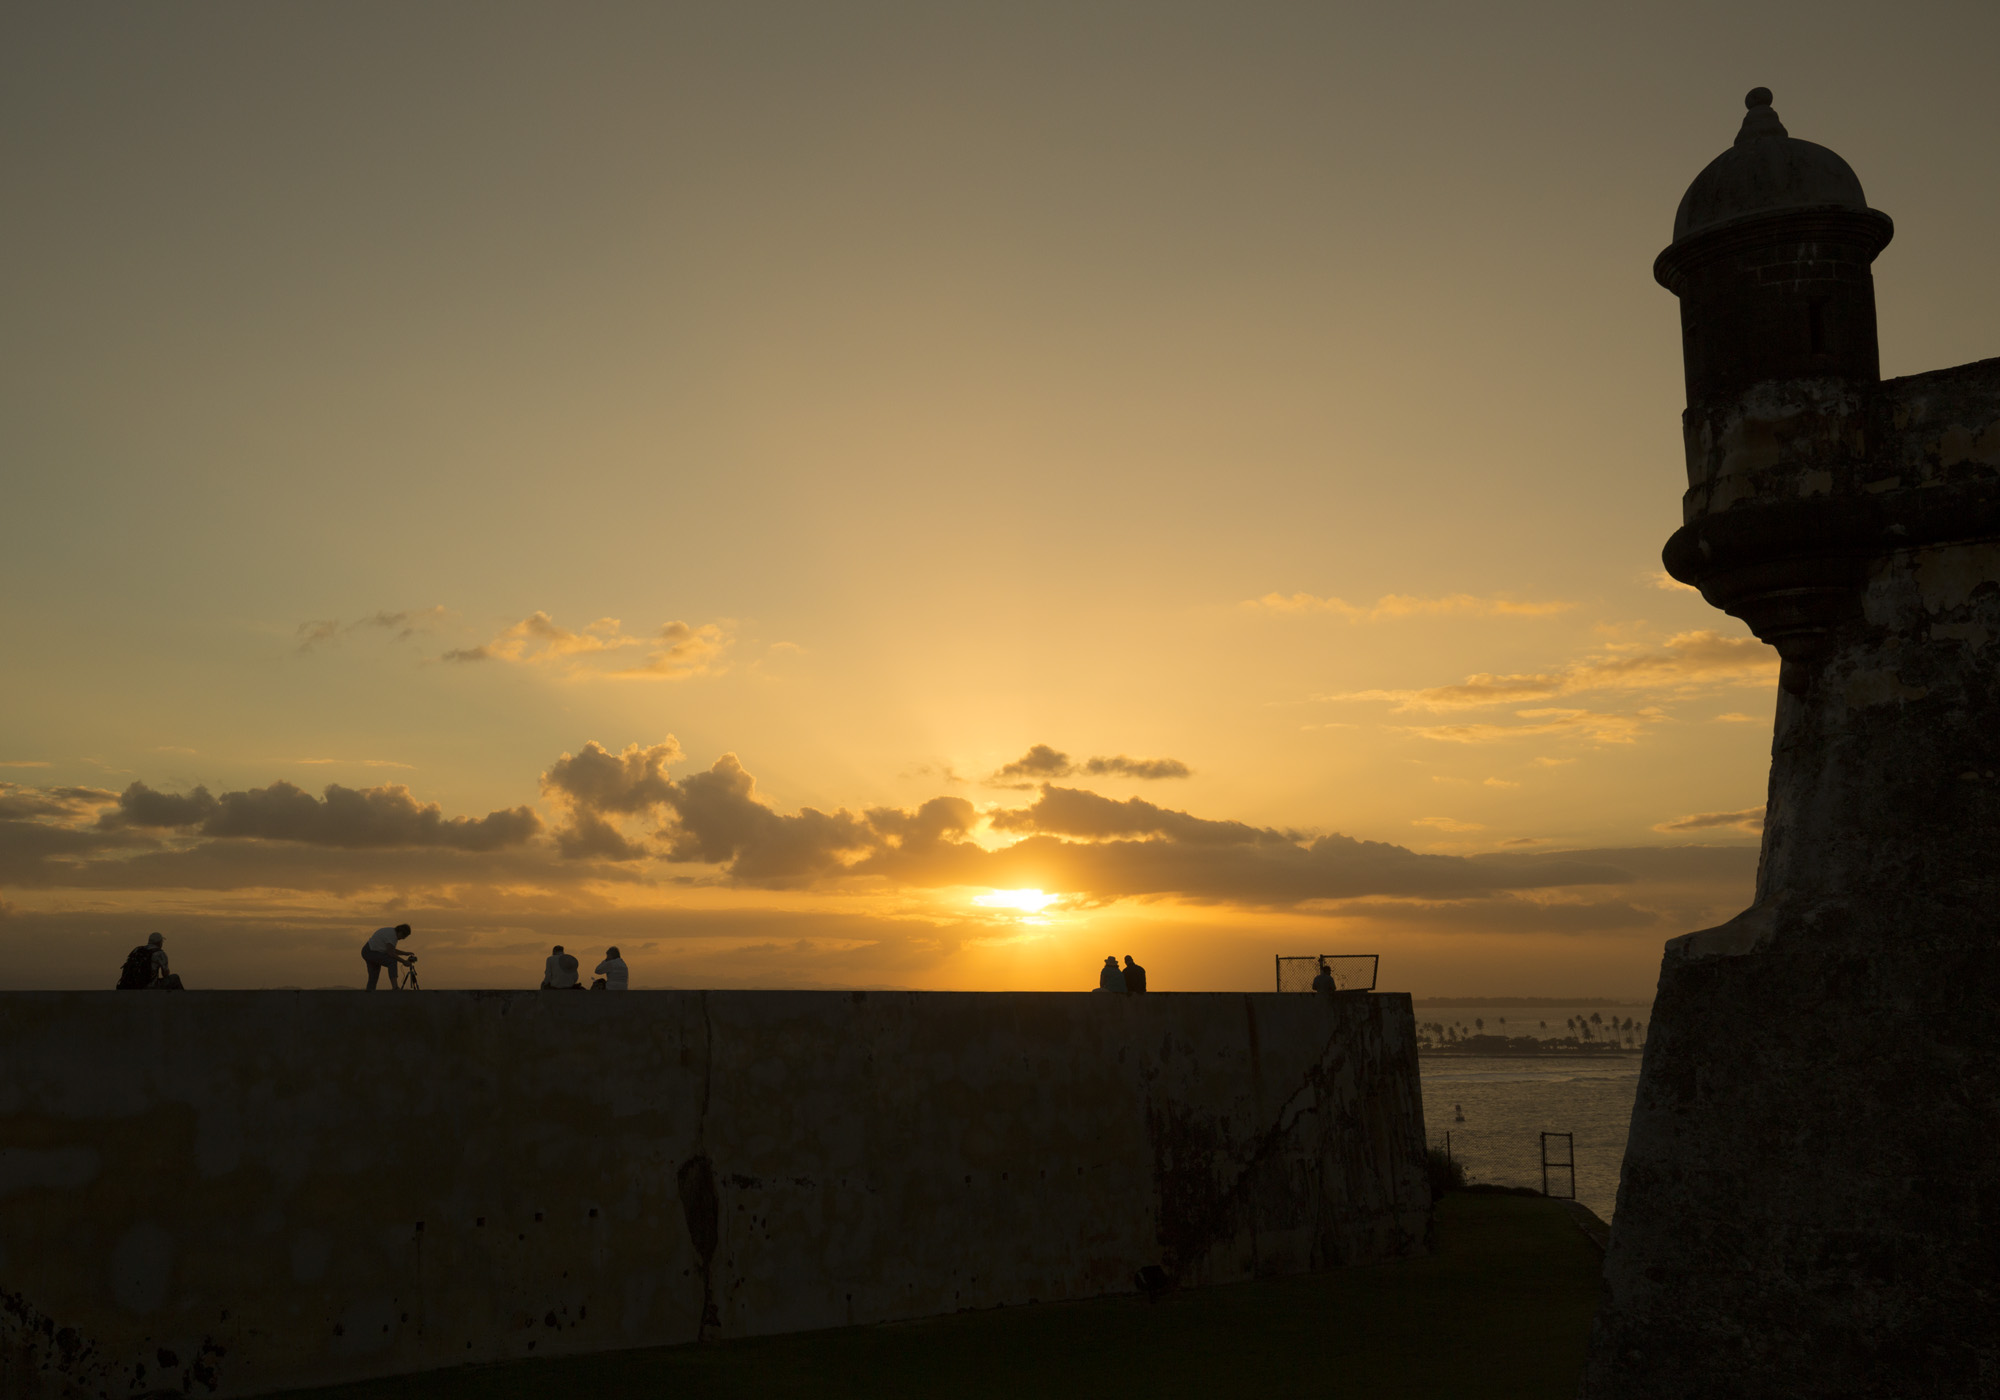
(1810, 1203)
(234, 1192)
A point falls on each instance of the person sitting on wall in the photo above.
(612, 972)
(146, 968)
(1324, 982)
(380, 952)
(1110, 979)
(1135, 975)
(559, 973)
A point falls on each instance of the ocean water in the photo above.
(1507, 1102)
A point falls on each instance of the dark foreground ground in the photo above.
(1500, 1312)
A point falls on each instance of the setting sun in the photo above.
(1027, 901)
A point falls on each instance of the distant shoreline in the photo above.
(1515, 1048)
(1469, 1002)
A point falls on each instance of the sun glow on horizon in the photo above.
(1025, 901)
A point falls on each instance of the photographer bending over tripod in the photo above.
(380, 952)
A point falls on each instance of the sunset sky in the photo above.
(752, 482)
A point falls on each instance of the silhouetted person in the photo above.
(1135, 975)
(380, 952)
(617, 977)
(1324, 981)
(146, 968)
(1111, 979)
(559, 973)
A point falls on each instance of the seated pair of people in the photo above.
(562, 973)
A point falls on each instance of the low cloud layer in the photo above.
(340, 816)
(1394, 607)
(1042, 763)
(1616, 677)
(402, 626)
(1685, 661)
(672, 651)
(1749, 819)
(623, 835)
(1095, 849)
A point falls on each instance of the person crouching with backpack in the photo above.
(146, 969)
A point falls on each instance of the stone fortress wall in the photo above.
(236, 1192)
(1807, 1205)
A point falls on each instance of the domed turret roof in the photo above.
(1766, 171)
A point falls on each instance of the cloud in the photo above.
(1684, 663)
(717, 818)
(1504, 914)
(720, 821)
(1447, 824)
(20, 803)
(1750, 819)
(678, 651)
(1042, 762)
(941, 771)
(1144, 768)
(321, 632)
(140, 806)
(1733, 718)
(594, 781)
(1666, 582)
(539, 639)
(586, 835)
(630, 834)
(341, 816)
(1079, 813)
(1603, 728)
(356, 762)
(1092, 847)
(1396, 606)
(30, 850)
(23, 763)
(938, 820)
(673, 651)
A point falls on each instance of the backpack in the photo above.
(137, 974)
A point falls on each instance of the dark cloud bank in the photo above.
(1042, 763)
(623, 818)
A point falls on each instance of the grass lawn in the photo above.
(1500, 1312)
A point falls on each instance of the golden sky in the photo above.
(750, 482)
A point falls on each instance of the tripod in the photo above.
(409, 982)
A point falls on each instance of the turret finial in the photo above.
(1759, 121)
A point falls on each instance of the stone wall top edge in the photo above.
(1973, 372)
(511, 993)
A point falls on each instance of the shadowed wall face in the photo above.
(263, 1190)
